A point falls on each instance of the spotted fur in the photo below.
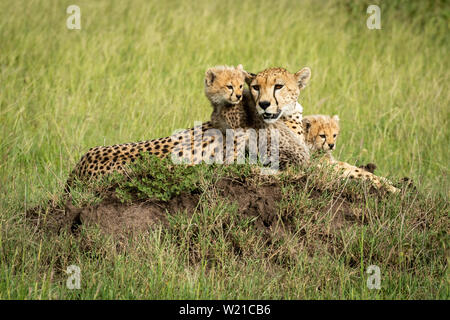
(321, 133)
(275, 92)
(224, 88)
(106, 159)
(230, 111)
(192, 145)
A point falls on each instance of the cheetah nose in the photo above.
(238, 96)
(264, 104)
(331, 145)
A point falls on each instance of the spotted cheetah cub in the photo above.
(224, 88)
(321, 133)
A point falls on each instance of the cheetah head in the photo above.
(321, 132)
(225, 85)
(276, 91)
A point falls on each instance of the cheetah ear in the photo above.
(336, 118)
(248, 77)
(209, 77)
(240, 67)
(306, 124)
(303, 77)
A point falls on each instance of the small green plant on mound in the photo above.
(150, 177)
(153, 178)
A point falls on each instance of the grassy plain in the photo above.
(135, 72)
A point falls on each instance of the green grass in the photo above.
(135, 71)
(305, 250)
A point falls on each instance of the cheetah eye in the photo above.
(230, 87)
(323, 136)
(240, 87)
(255, 87)
(278, 86)
(334, 135)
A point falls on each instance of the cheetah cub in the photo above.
(224, 88)
(321, 133)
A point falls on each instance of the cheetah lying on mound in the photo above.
(232, 105)
(106, 159)
(270, 104)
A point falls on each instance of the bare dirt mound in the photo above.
(111, 215)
